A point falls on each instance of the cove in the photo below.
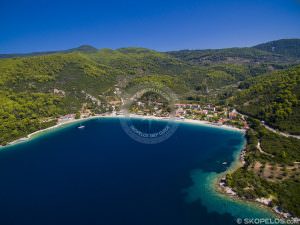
(99, 175)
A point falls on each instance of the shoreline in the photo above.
(74, 121)
(236, 164)
(30, 136)
(210, 124)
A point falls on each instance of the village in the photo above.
(217, 115)
(211, 113)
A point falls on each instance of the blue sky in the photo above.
(38, 25)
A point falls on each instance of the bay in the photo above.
(99, 175)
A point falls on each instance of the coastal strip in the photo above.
(113, 115)
(226, 192)
(219, 184)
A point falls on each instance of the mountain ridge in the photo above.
(90, 48)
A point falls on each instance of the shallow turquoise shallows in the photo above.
(99, 175)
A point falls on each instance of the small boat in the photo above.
(81, 127)
(224, 163)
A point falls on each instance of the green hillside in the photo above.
(37, 89)
(43, 86)
(246, 62)
(82, 49)
(27, 89)
(274, 98)
(241, 56)
(286, 47)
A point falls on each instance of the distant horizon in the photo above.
(39, 26)
(74, 47)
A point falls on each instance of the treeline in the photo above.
(24, 113)
(273, 98)
(249, 185)
(282, 151)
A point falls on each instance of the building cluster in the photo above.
(215, 114)
(65, 118)
(154, 108)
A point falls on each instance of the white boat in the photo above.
(81, 127)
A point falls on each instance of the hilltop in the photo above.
(286, 47)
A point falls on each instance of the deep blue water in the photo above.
(98, 175)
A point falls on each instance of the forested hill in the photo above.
(36, 88)
(274, 98)
(286, 47)
(82, 48)
(283, 51)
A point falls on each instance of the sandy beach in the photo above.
(62, 124)
(72, 121)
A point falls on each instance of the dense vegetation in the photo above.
(287, 47)
(27, 90)
(279, 151)
(23, 113)
(249, 185)
(274, 98)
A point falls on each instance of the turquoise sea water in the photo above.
(99, 175)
